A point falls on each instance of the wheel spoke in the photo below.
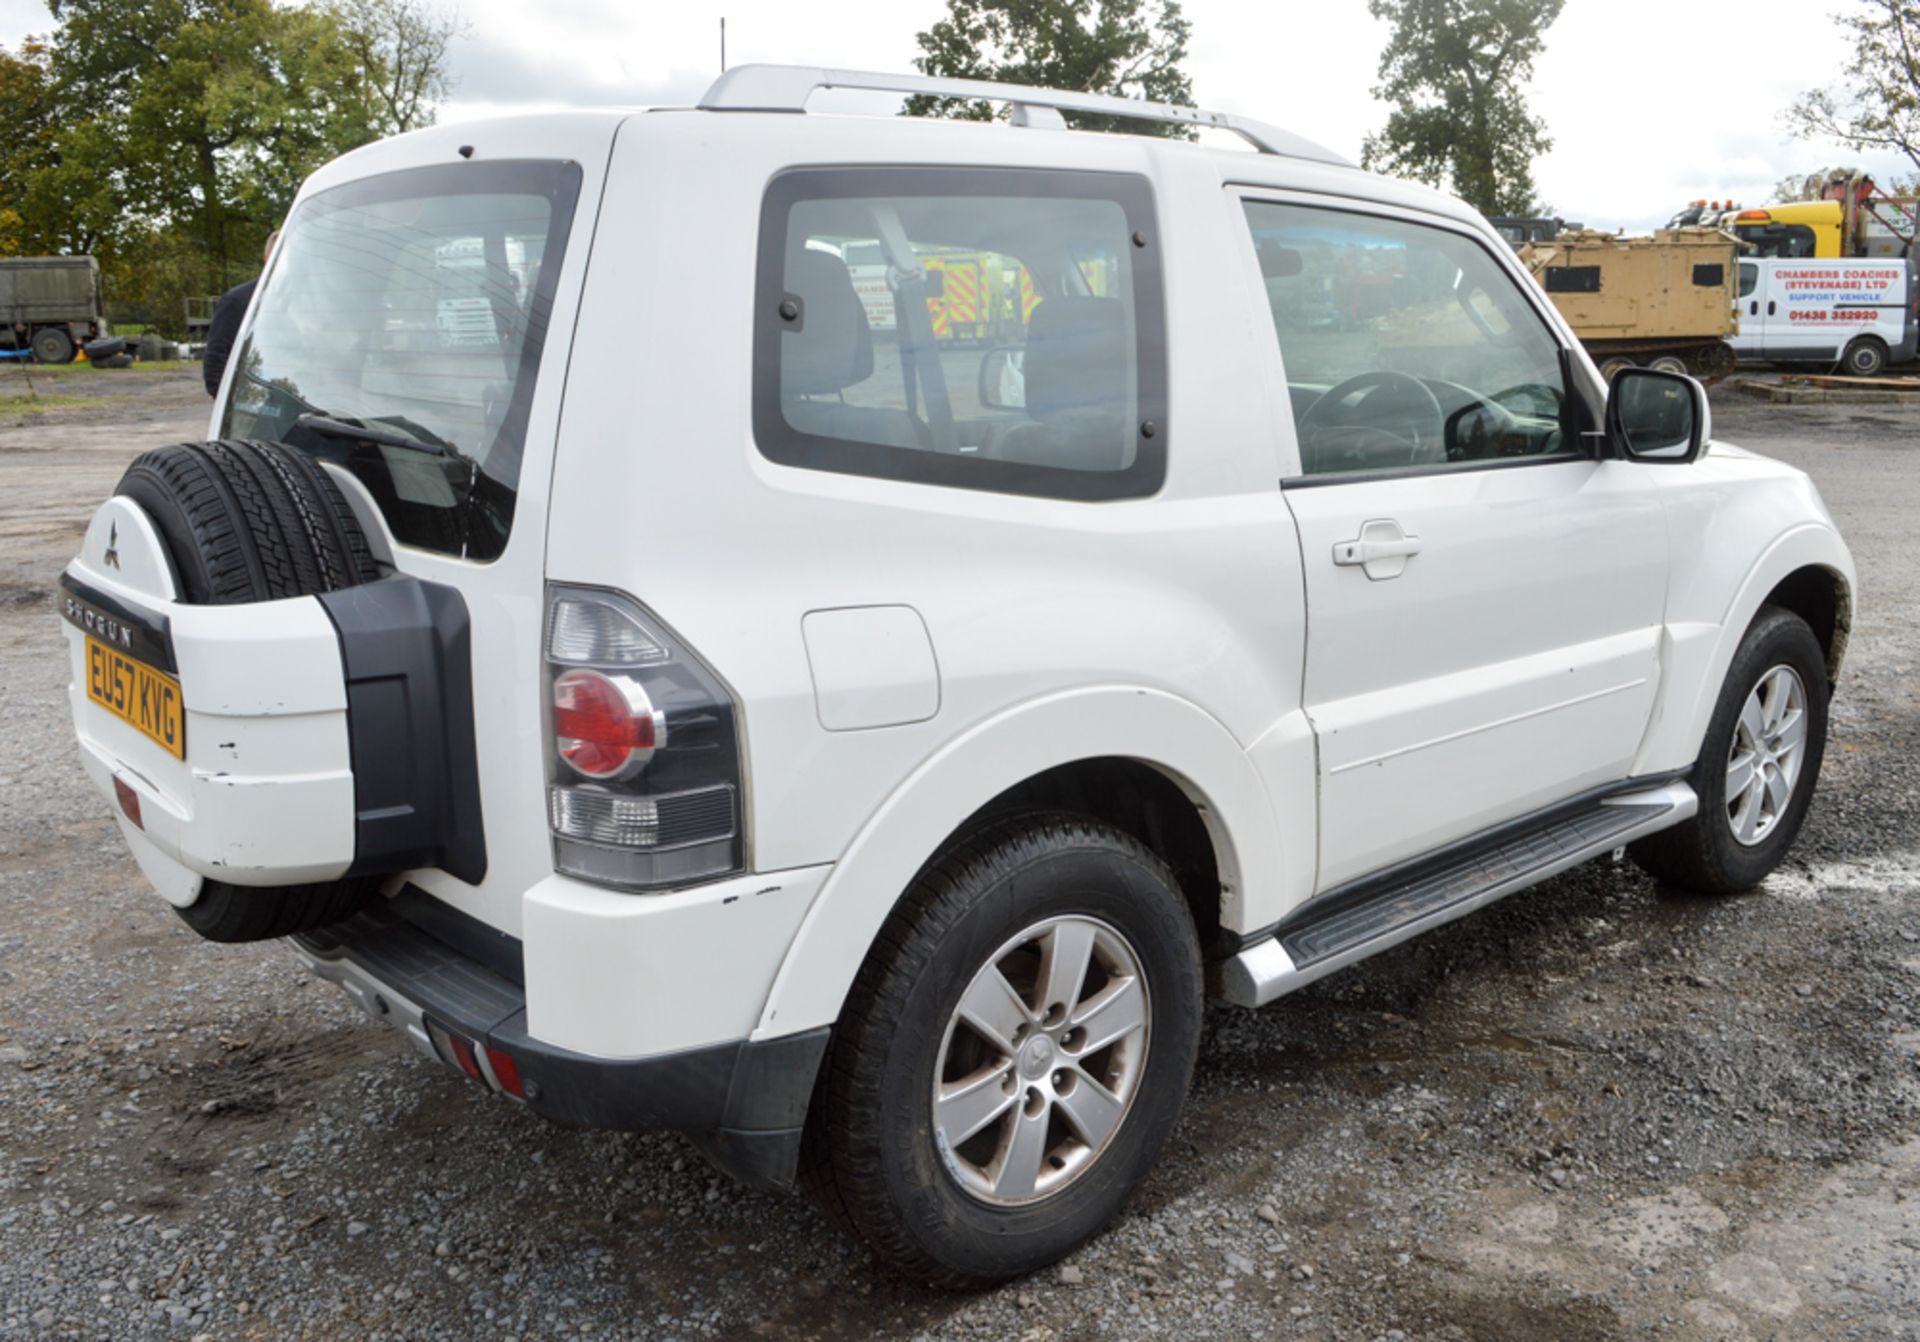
(992, 1007)
(1018, 1169)
(1747, 823)
(1115, 1012)
(1789, 734)
(1773, 699)
(1739, 774)
(1752, 719)
(1091, 1109)
(968, 1105)
(1778, 790)
(1069, 948)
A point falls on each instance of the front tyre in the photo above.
(1013, 1054)
(1757, 766)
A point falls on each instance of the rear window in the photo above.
(399, 333)
(997, 330)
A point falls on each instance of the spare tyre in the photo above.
(105, 347)
(121, 360)
(243, 522)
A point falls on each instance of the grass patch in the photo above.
(22, 404)
(44, 373)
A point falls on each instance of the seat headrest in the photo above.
(1077, 359)
(833, 347)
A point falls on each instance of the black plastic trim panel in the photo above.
(745, 1100)
(407, 650)
(462, 932)
(144, 635)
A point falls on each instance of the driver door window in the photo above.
(1405, 346)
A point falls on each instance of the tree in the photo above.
(403, 43)
(1877, 107)
(1131, 48)
(1455, 72)
(207, 114)
(27, 149)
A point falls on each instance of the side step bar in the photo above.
(1332, 933)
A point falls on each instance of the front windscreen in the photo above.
(399, 333)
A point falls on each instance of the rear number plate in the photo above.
(146, 699)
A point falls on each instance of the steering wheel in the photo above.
(1346, 429)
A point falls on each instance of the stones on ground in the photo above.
(355, 1229)
(1269, 1213)
(1071, 1275)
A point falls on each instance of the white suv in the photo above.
(836, 634)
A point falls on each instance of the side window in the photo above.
(1749, 278)
(997, 330)
(1406, 347)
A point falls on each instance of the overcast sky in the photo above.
(1650, 103)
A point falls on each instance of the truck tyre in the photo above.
(122, 360)
(1013, 1054)
(52, 345)
(105, 347)
(1865, 356)
(245, 522)
(1757, 766)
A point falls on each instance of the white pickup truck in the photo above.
(865, 754)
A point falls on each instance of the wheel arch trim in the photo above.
(1170, 734)
(1696, 657)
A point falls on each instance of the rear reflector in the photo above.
(506, 1073)
(463, 1055)
(129, 802)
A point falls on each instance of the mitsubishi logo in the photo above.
(112, 556)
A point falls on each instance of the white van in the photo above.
(1858, 313)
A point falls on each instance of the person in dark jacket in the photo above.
(224, 328)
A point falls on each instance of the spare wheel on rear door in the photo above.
(244, 522)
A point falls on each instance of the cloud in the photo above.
(503, 74)
(1650, 103)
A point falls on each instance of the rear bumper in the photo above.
(744, 1100)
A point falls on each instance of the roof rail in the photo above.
(786, 88)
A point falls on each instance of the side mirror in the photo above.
(1657, 417)
(1003, 378)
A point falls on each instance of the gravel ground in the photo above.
(1592, 1111)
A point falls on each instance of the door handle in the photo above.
(1753, 308)
(1380, 551)
(1770, 307)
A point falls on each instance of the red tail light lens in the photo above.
(603, 727)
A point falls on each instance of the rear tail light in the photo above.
(644, 774)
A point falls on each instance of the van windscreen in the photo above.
(398, 333)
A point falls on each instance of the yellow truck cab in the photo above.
(1808, 228)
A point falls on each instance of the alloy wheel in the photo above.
(1041, 1060)
(1764, 761)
